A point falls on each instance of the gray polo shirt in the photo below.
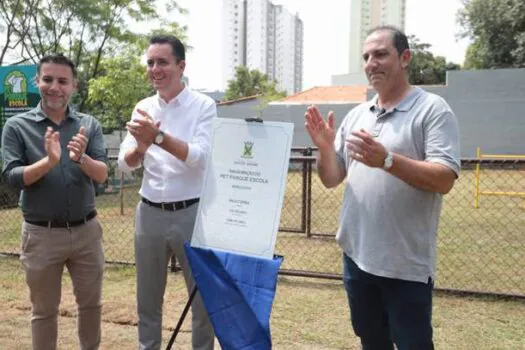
(388, 227)
(65, 193)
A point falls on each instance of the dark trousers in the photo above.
(387, 311)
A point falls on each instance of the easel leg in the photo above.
(182, 317)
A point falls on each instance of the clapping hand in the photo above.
(321, 132)
(364, 148)
(77, 145)
(52, 145)
(143, 129)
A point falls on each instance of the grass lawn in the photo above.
(478, 249)
(307, 314)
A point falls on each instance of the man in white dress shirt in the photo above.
(169, 135)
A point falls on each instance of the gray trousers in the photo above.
(158, 235)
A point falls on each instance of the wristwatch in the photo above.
(81, 159)
(389, 161)
(159, 137)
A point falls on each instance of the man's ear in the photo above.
(182, 67)
(406, 57)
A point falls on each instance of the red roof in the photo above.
(328, 94)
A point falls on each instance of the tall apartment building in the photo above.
(266, 37)
(365, 15)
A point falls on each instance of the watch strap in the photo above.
(80, 159)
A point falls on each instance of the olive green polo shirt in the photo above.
(64, 193)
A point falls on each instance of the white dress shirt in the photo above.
(187, 117)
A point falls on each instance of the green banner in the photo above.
(18, 90)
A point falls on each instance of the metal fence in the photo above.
(480, 250)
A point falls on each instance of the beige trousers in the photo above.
(44, 253)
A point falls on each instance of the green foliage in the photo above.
(250, 83)
(88, 31)
(476, 57)
(114, 93)
(497, 31)
(425, 68)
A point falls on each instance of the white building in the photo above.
(288, 52)
(365, 15)
(266, 37)
(234, 44)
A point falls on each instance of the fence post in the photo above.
(477, 173)
(304, 194)
(121, 193)
(308, 199)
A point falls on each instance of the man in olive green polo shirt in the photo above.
(54, 154)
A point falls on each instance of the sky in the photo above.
(326, 36)
(326, 33)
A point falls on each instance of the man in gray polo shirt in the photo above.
(54, 154)
(397, 154)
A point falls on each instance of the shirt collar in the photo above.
(181, 99)
(405, 105)
(41, 115)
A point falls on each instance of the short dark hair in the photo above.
(57, 59)
(177, 47)
(399, 39)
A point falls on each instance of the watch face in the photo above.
(388, 161)
(159, 138)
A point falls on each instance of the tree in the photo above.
(425, 68)
(122, 82)
(497, 31)
(250, 83)
(113, 94)
(476, 57)
(85, 30)
(14, 18)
